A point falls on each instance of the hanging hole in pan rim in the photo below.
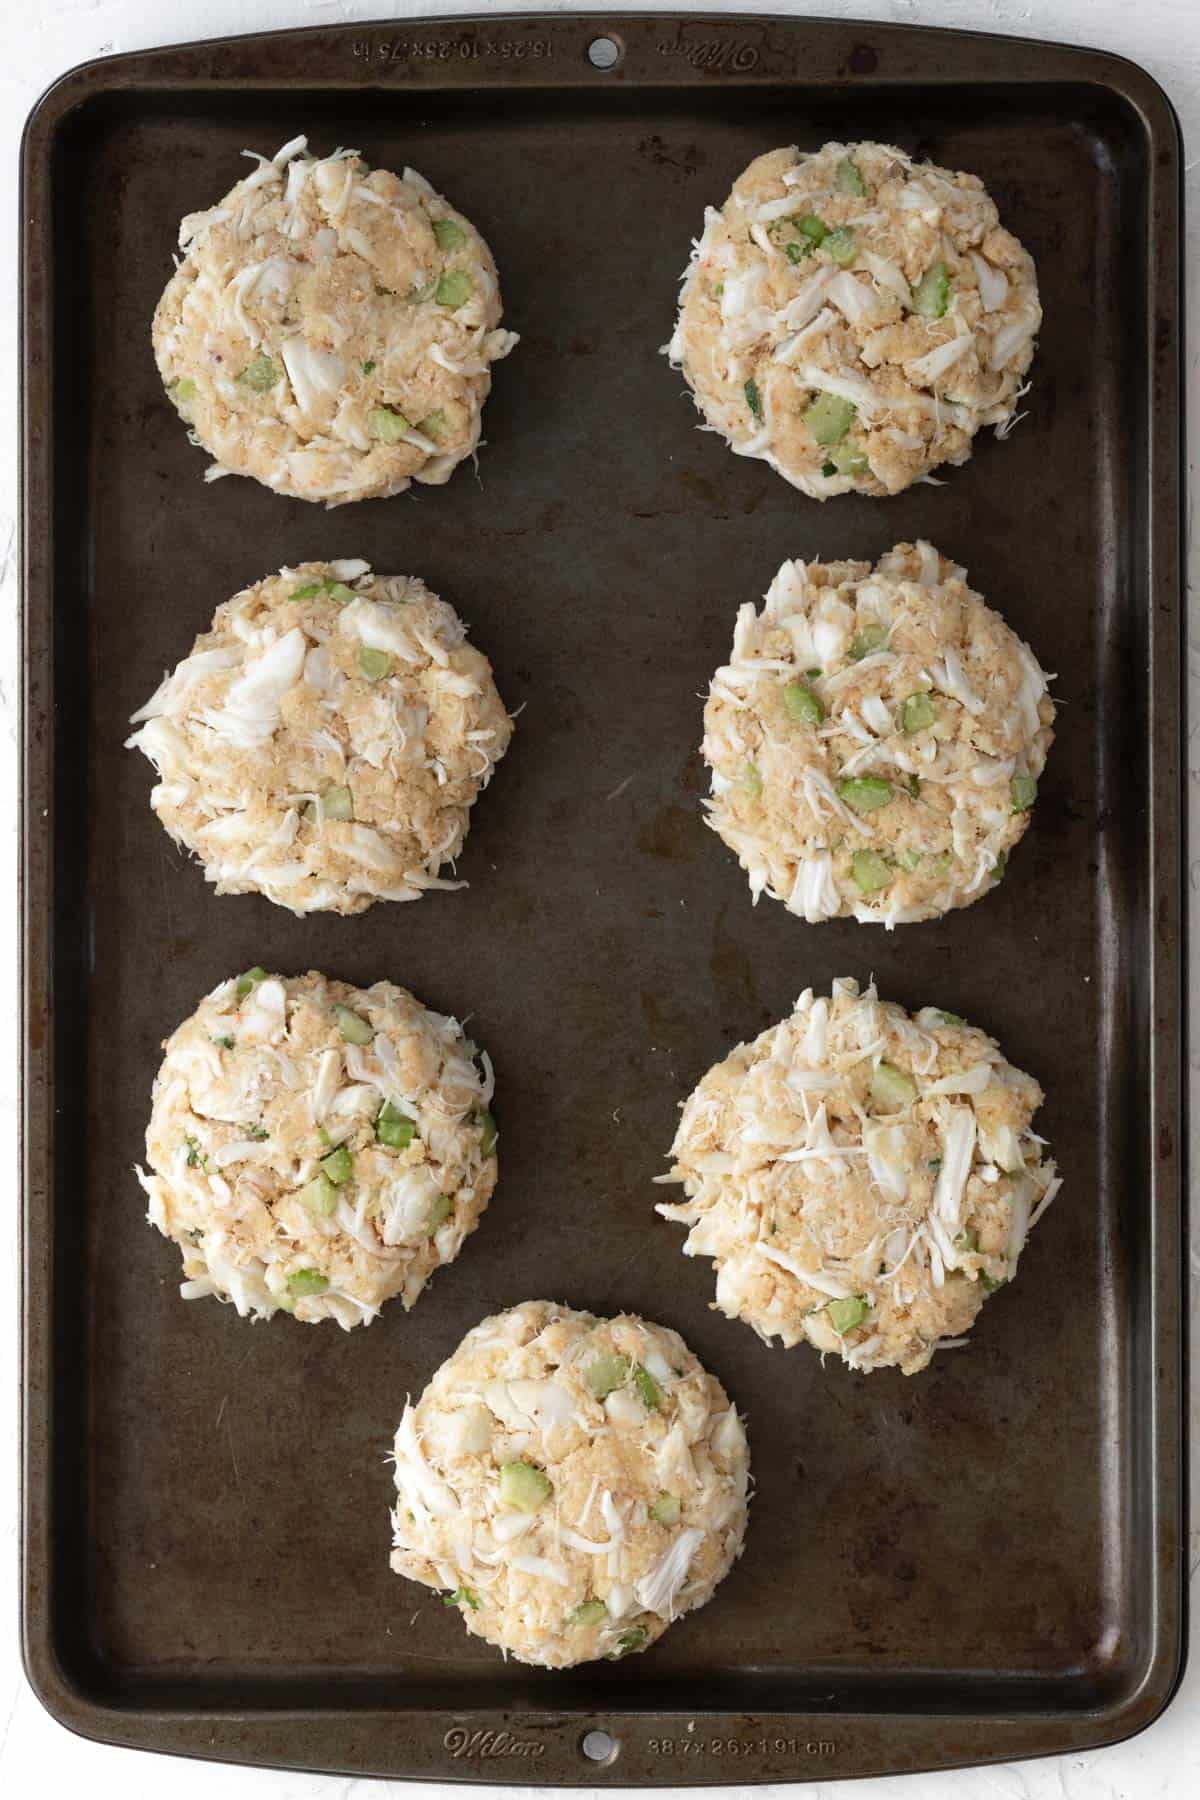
(604, 52)
(599, 1746)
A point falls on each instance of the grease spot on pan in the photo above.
(671, 834)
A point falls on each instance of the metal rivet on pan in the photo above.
(599, 1747)
(604, 53)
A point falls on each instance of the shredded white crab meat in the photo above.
(872, 1218)
(268, 1147)
(906, 302)
(330, 330)
(564, 1528)
(875, 739)
(324, 742)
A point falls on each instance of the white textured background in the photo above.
(39, 39)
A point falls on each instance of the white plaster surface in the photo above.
(39, 39)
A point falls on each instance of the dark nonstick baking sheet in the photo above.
(981, 1562)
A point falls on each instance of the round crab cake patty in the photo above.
(853, 318)
(861, 1179)
(317, 1148)
(574, 1483)
(875, 740)
(324, 742)
(331, 329)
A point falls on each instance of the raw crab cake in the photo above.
(574, 1483)
(853, 318)
(331, 329)
(324, 742)
(861, 1179)
(317, 1148)
(875, 740)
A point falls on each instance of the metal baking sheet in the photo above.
(979, 1563)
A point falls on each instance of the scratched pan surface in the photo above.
(980, 1562)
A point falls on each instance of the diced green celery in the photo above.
(249, 980)
(324, 1137)
(891, 1088)
(918, 713)
(931, 296)
(1024, 792)
(846, 1315)
(433, 425)
(449, 234)
(829, 417)
(588, 1612)
(394, 1128)
(438, 1212)
(386, 424)
(196, 1158)
(607, 1373)
(261, 374)
(453, 290)
(524, 1487)
(753, 398)
(226, 1043)
(870, 872)
(812, 228)
(327, 585)
(842, 245)
(631, 1640)
(944, 862)
(318, 1196)
(338, 1165)
(353, 1027)
(462, 1596)
(949, 1018)
(848, 178)
(307, 1281)
(337, 803)
(867, 641)
(990, 1283)
(796, 252)
(849, 458)
(648, 1388)
(802, 704)
(185, 390)
(375, 664)
(489, 1132)
(665, 1510)
(909, 860)
(752, 781)
(865, 793)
